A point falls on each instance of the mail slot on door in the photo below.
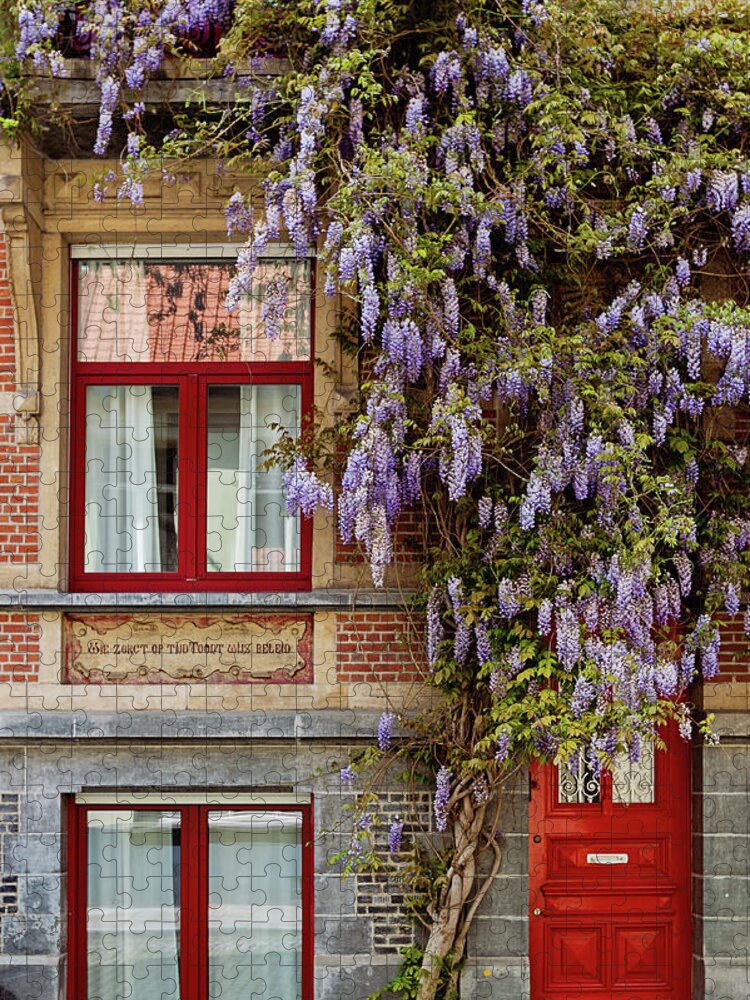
(606, 859)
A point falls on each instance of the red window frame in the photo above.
(193, 380)
(194, 929)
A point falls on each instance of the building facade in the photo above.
(184, 668)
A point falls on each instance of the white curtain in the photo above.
(122, 515)
(133, 905)
(249, 529)
(255, 905)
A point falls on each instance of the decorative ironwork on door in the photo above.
(580, 781)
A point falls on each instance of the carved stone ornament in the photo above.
(213, 649)
(15, 225)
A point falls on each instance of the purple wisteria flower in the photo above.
(568, 637)
(638, 229)
(347, 775)
(741, 228)
(503, 747)
(274, 306)
(484, 646)
(395, 835)
(731, 594)
(684, 568)
(682, 272)
(508, 604)
(544, 617)
(583, 694)
(435, 631)
(385, 730)
(416, 115)
(484, 512)
(653, 131)
(238, 215)
(446, 72)
(538, 500)
(480, 790)
(304, 491)
(442, 798)
(723, 190)
(450, 307)
(110, 91)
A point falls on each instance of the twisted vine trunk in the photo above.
(453, 914)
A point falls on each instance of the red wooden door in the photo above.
(610, 880)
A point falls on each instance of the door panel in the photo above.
(610, 880)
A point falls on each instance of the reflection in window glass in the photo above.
(174, 311)
(248, 527)
(131, 479)
(254, 905)
(133, 912)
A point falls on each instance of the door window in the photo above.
(633, 781)
(630, 782)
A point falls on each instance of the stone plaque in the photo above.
(216, 649)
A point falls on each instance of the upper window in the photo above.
(176, 402)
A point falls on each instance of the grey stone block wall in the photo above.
(721, 864)
(33, 775)
(35, 770)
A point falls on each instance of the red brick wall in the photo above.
(379, 646)
(407, 541)
(19, 646)
(19, 463)
(742, 425)
(734, 658)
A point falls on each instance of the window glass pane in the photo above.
(174, 311)
(248, 528)
(131, 479)
(254, 905)
(633, 781)
(133, 904)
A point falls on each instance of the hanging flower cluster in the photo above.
(127, 41)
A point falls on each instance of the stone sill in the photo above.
(731, 725)
(193, 68)
(322, 724)
(309, 600)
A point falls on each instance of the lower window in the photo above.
(190, 902)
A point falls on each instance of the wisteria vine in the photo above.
(546, 244)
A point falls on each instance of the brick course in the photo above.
(19, 463)
(734, 654)
(379, 646)
(19, 646)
